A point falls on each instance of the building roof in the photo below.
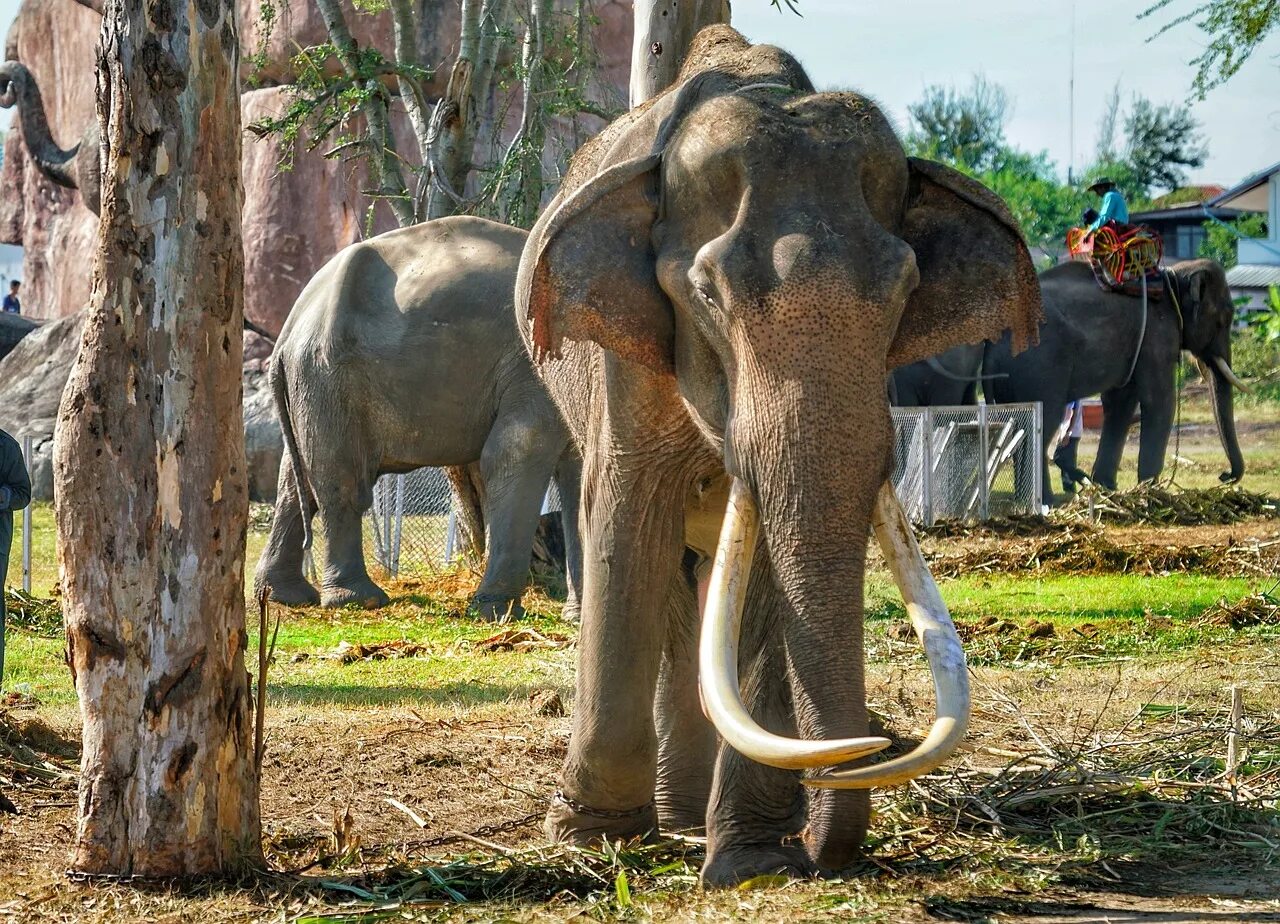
(1250, 193)
(1188, 195)
(1253, 276)
(1191, 211)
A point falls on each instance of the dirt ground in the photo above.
(1087, 791)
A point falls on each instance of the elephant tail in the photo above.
(468, 493)
(301, 481)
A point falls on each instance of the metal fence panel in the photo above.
(967, 463)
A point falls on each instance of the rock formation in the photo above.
(31, 382)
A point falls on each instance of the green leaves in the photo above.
(1234, 28)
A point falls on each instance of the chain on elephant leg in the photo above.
(569, 821)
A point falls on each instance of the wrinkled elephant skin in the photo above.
(402, 352)
(717, 292)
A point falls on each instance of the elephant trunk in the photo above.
(18, 87)
(814, 517)
(1218, 368)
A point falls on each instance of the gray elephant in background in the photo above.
(75, 168)
(949, 379)
(1093, 341)
(402, 352)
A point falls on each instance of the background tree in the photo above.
(1221, 239)
(149, 461)
(1233, 29)
(960, 127)
(1161, 144)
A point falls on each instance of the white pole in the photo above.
(984, 448)
(26, 526)
(450, 535)
(927, 472)
(395, 548)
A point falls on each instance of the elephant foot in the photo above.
(363, 593)
(682, 821)
(295, 591)
(494, 608)
(570, 822)
(727, 867)
(572, 612)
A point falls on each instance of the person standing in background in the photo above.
(12, 305)
(15, 494)
(1064, 456)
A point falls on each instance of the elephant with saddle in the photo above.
(402, 352)
(1101, 342)
(714, 298)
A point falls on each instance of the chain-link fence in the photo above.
(412, 525)
(968, 463)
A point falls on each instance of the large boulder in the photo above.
(33, 376)
(31, 381)
(13, 327)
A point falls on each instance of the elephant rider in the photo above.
(15, 493)
(1114, 210)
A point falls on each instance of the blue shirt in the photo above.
(1113, 208)
(12, 305)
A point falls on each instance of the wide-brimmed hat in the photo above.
(1102, 184)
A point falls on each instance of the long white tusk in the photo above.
(718, 655)
(1230, 374)
(933, 626)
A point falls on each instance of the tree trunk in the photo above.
(149, 461)
(663, 33)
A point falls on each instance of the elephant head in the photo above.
(1207, 313)
(772, 251)
(76, 168)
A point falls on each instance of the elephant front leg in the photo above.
(632, 543)
(1118, 406)
(686, 740)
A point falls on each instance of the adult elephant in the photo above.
(946, 380)
(402, 352)
(714, 298)
(1094, 341)
(74, 168)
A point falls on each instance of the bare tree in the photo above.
(664, 30)
(149, 461)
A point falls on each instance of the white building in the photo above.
(1259, 266)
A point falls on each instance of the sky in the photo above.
(892, 51)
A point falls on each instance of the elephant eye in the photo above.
(705, 292)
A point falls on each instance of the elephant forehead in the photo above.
(836, 145)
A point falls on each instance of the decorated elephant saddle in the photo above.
(1121, 256)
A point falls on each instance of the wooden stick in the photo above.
(1233, 738)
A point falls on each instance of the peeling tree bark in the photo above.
(664, 31)
(149, 461)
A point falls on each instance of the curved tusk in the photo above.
(718, 656)
(1230, 374)
(937, 634)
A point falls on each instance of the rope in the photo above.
(1142, 334)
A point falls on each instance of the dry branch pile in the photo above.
(1153, 505)
(1085, 550)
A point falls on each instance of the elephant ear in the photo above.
(589, 271)
(976, 276)
(593, 273)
